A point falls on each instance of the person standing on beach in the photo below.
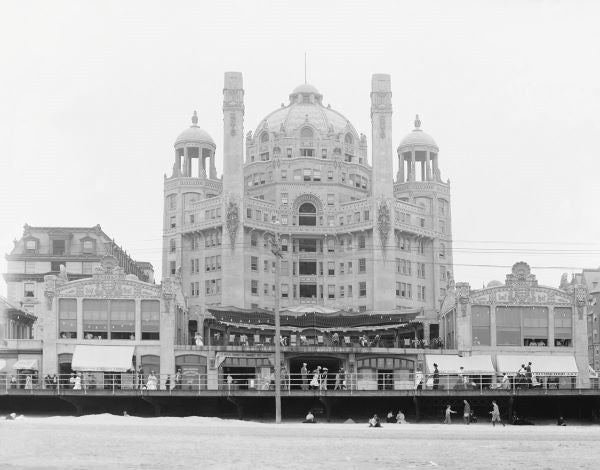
(467, 412)
(449, 412)
(496, 414)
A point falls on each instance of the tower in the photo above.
(233, 189)
(382, 191)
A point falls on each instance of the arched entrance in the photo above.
(307, 214)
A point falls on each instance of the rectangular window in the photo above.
(480, 320)
(341, 268)
(421, 247)
(95, 318)
(307, 172)
(349, 290)
(421, 293)
(172, 267)
(357, 217)
(320, 268)
(31, 245)
(192, 219)
(58, 247)
(330, 175)
(29, 289)
(508, 326)
(254, 263)
(323, 153)
(330, 221)
(349, 267)
(88, 246)
(330, 199)
(317, 175)
(289, 152)
(421, 270)
(331, 268)
(421, 222)
(362, 241)
(442, 226)
(306, 152)
(172, 245)
(67, 318)
(248, 213)
(341, 291)
(535, 326)
(254, 287)
(172, 221)
(285, 292)
(331, 291)
(284, 220)
(150, 313)
(362, 289)
(362, 265)
(563, 326)
(362, 308)
(266, 289)
(284, 199)
(284, 175)
(122, 319)
(298, 175)
(366, 216)
(87, 267)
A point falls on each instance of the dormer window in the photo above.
(31, 246)
(88, 246)
(348, 139)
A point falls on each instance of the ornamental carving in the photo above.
(232, 221)
(384, 222)
(580, 293)
(463, 294)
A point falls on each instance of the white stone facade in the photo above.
(353, 238)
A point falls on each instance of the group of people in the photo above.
(399, 418)
(469, 417)
(320, 377)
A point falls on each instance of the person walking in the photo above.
(304, 374)
(436, 376)
(496, 414)
(467, 412)
(449, 413)
(529, 375)
(314, 383)
(338, 381)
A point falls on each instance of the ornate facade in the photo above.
(353, 238)
(519, 322)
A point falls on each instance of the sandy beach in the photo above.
(104, 441)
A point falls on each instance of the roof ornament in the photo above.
(195, 119)
(417, 122)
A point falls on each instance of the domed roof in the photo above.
(306, 110)
(194, 134)
(417, 137)
(305, 88)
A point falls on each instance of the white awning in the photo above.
(102, 358)
(540, 365)
(2, 364)
(26, 364)
(451, 364)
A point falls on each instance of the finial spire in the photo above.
(195, 119)
(305, 67)
(417, 122)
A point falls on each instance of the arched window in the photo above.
(349, 139)
(264, 137)
(306, 133)
(307, 214)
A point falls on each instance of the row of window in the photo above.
(297, 290)
(404, 266)
(108, 319)
(405, 290)
(59, 247)
(308, 268)
(211, 287)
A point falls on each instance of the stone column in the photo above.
(79, 318)
(400, 168)
(493, 325)
(428, 166)
(138, 320)
(435, 168)
(413, 167)
(551, 326)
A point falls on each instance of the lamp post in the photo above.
(275, 242)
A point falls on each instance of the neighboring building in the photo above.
(520, 321)
(353, 239)
(110, 323)
(591, 279)
(18, 351)
(43, 250)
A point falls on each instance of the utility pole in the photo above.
(276, 250)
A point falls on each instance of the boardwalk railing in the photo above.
(311, 382)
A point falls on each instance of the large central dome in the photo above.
(306, 107)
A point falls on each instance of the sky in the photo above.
(94, 93)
